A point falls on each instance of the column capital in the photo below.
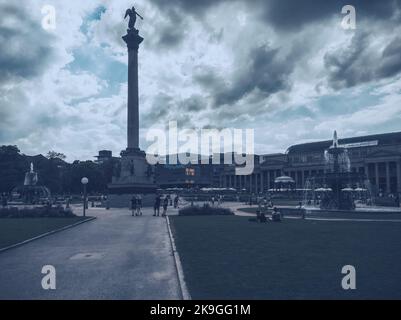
(133, 39)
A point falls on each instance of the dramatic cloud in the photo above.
(391, 59)
(363, 61)
(194, 7)
(25, 51)
(284, 68)
(292, 15)
(267, 71)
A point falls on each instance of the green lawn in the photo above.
(13, 231)
(232, 258)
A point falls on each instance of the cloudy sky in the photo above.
(285, 68)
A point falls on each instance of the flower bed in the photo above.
(205, 210)
(36, 212)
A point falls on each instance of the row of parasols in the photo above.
(319, 190)
(345, 189)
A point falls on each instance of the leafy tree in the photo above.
(9, 151)
(56, 174)
(11, 168)
(56, 155)
(93, 171)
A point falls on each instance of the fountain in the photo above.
(31, 177)
(337, 188)
(30, 192)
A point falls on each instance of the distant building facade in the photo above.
(378, 157)
(104, 156)
(198, 175)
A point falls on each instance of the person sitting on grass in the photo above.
(4, 200)
(276, 215)
(262, 217)
(260, 214)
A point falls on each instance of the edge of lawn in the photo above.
(46, 234)
(178, 265)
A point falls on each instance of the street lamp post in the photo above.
(84, 182)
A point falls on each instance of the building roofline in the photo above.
(383, 138)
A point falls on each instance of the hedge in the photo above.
(205, 210)
(36, 212)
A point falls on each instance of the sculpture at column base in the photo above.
(132, 176)
(132, 151)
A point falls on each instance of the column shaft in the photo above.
(388, 177)
(133, 100)
(399, 176)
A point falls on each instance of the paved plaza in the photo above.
(116, 256)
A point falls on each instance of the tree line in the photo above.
(54, 172)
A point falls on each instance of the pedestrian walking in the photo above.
(156, 206)
(176, 199)
(133, 205)
(139, 205)
(165, 205)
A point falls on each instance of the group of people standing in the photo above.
(218, 199)
(164, 203)
(136, 205)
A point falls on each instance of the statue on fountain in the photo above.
(30, 192)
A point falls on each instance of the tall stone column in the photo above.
(388, 177)
(250, 183)
(303, 179)
(398, 175)
(133, 40)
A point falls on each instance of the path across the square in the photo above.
(116, 256)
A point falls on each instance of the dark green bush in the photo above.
(205, 210)
(36, 212)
